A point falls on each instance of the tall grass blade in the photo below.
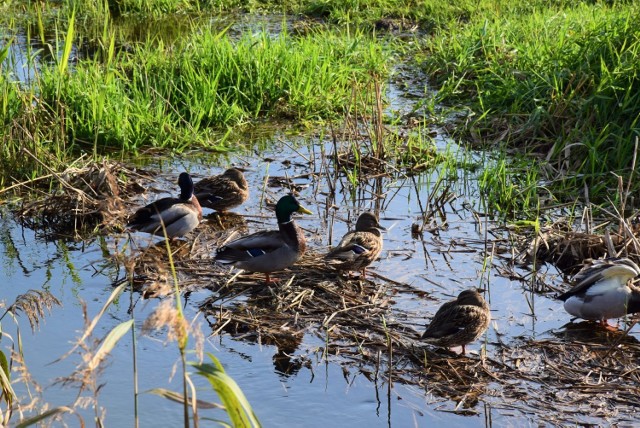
(39, 418)
(109, 342)
(40, 23)
(5, 383)
(179, 398)
(68, 44)
(234, 400)
(4, 52)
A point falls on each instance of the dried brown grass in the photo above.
(80, 198)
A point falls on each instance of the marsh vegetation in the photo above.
(497, 140)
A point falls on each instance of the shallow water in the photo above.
(440, 264)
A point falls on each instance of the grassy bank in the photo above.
(176, 95)
(560, 80)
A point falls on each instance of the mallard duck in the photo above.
(268, 251)
(459, 321)
(179, 215)
(359, 248)
(604, 290)
(224, 191)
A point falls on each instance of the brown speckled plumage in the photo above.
(223, 192)
(359, 248)
(459, 321)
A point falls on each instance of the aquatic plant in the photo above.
(510, 188)
(33, 304)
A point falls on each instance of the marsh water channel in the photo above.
(299, 360)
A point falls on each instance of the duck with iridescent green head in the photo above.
(268, 251)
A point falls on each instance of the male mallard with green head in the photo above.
(359, 248)
(178, 215)
(268, 251)
(604, 290)
(459, 321)
(223, 192)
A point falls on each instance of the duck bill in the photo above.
(303, 210)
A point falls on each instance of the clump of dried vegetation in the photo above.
(80, 198)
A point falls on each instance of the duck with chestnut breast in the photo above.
(358, 248)
(178, 215)
(604, 290)
(223, 192)
(459, 321)
(268, 251)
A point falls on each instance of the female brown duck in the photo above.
(360, 247)
(459, 321)
(223, 192)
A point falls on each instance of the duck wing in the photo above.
(254, 245)
(352, 246)
(217, 187)
(455, 320)
(599, 271)
(167, 209)
(445, 322)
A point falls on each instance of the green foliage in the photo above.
(168, 95)
(562, 78)
(235, 403)
(177, 94)
(510, 188)
(5, 380)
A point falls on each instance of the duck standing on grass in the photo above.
(459, 321)
(178, 215)
(604, 290)
(359, 248)
(223, 192)
(268, 251)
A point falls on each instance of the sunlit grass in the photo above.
(510, 187)
(561, 79)
(181, 95)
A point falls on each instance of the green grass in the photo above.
(510, 187)
(557, 77)
(168, 96)
(180, 95)
(562, 80)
